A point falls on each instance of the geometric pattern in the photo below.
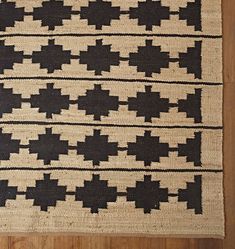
(100, 13)
(96, 194)
(8, 145)
(146, 104)
(97, 148)
(48, 146)
(110, 116)
(46, 193)
(100, 58)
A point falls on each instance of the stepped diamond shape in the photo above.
(51, 57)
(150, 13)
(8, 56)
(192, 60)
(98, 102)
(8, 145)
(99, 58)
(52, 13)
(9, 14)
(148, 104)
(192, 149)
(192, 14)
(46, 193)
(192, 195)
(6, 192)
(96, 194)
(148, 149)
(50, 100)
(97, 148)
(192, 105)
(48, 147)
(100, 13)
(147, 194)
(149, 59)
(8, 100)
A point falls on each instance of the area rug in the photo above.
(111, 117)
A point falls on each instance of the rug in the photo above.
(111, 117)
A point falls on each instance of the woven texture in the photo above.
(111, 117)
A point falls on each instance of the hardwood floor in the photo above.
(92, 242)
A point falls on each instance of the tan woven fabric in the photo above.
(111, 117)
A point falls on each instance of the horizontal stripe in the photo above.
(198, 83)
(110, 125)
(113, 169)
(114, 34)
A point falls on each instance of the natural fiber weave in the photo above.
(111, 117)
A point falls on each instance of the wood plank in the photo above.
(91, 242)
(46, 242)
(4, 242)
(67, 242)
(30, 242)
(229, 120)
(229, 40)
(177, 243)
(137, 243)
(210, 243)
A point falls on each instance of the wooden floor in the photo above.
(91, 242)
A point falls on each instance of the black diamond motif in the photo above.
(192, 106)
(147, 194)
(9, 14)
(192, 194)
(8, 100)
(48, 146)
(148, 104)
(150, 13)
(51, 57)
(148, 149)
(192, 149)
(8, 56)
(149, 59)
(8, 145)
(50, 100)
(192, 14)
(100, 13)
(96, 194)
(98, 102)
(46, 193)
(99, 58)
(97, 148)
(6, 192)
(52, 13)
(192, 60)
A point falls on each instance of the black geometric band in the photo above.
(99, 103)
(99, 58)
(95, 194)
(98, 148)
(100, 13)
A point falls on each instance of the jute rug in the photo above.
(111, 117)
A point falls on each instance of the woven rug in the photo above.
(111, 117)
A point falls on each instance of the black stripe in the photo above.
(173, 149)
(115, 79)
(117, 34)
(110, 125)
(112, 169)
(172, 194)
(24, 146)
(174, 12)
(21, 193)
(70, 193)
(121, 194)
